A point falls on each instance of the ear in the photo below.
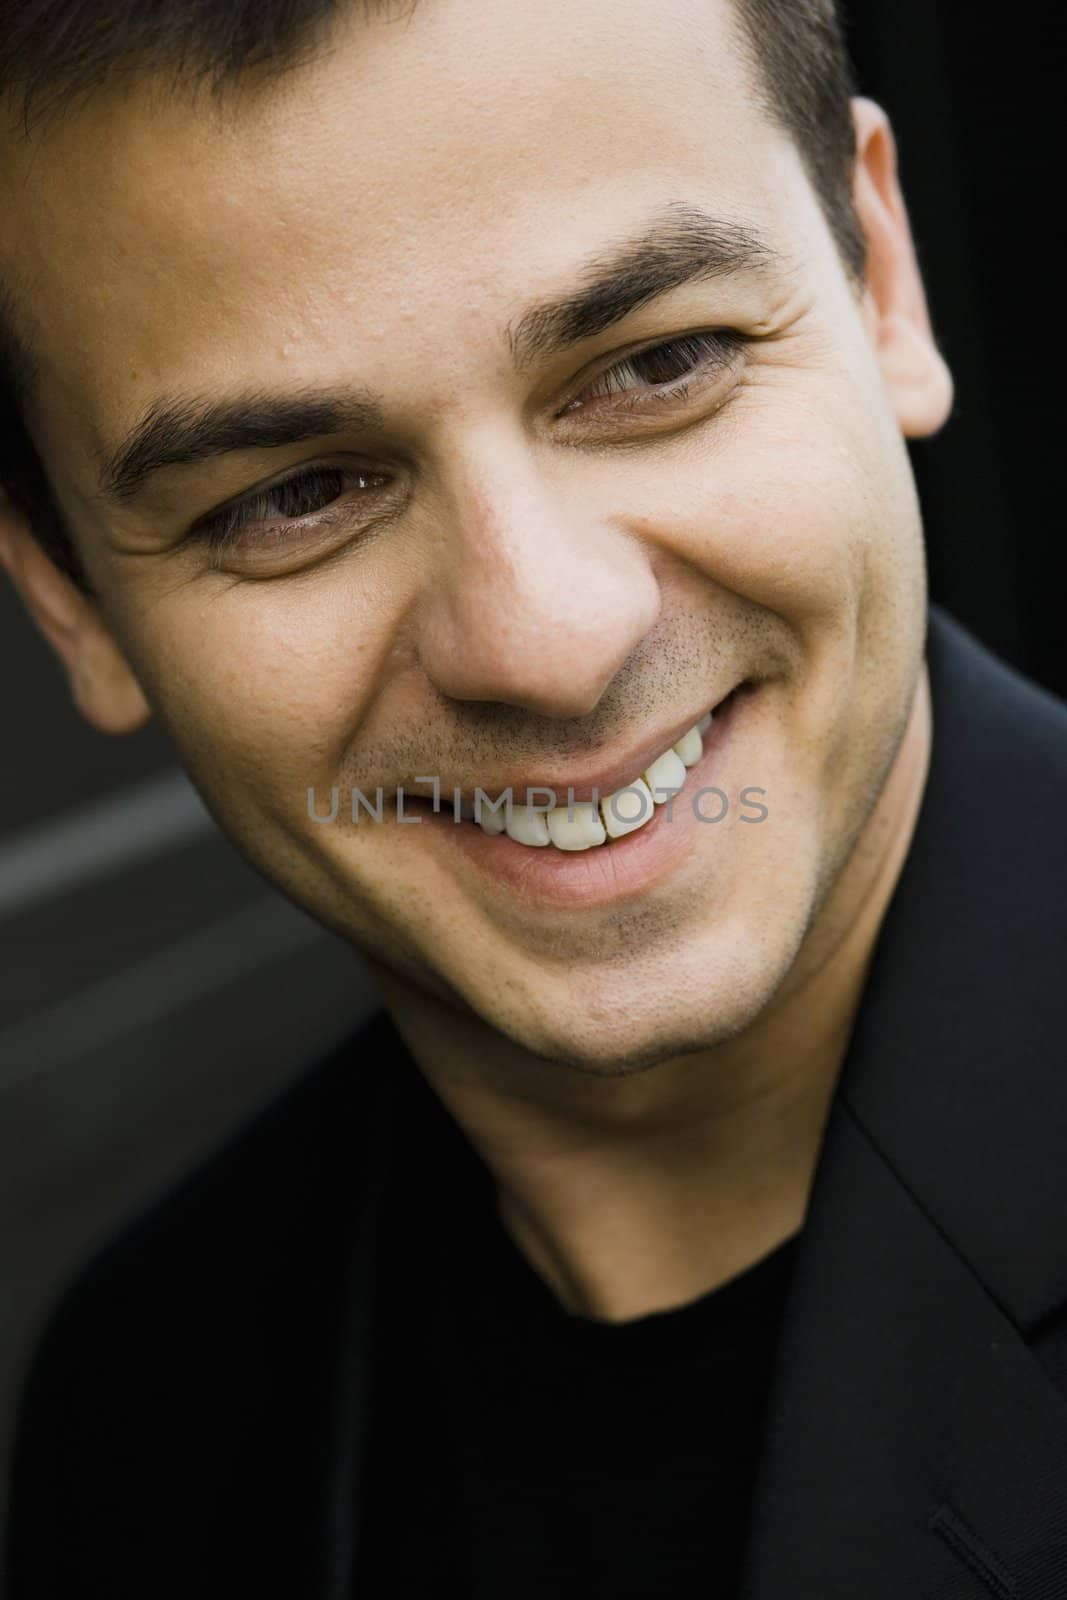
(103, 686)
(894, 302)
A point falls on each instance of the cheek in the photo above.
(806, 509)
(808, 513)
(264, 687)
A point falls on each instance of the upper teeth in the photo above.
(584, 825)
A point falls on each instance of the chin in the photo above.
(617, 1023)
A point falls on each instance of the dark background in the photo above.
(976, 95)
(153, 989)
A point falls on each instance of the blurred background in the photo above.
(154, 991)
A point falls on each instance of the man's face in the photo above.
(474, 577)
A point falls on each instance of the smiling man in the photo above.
(478, 433)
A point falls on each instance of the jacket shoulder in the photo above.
(254, 1177)
(174, 1328)
(981, 692)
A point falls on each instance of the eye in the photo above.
(265, 518)
(663, 374)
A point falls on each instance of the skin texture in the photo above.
(647, 1080)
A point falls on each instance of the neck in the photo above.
(636, 1194)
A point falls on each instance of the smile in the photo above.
(589, 824)
(585, 864)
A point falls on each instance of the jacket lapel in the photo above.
(915, 1443)
(915, 1446)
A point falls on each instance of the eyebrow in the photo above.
(680, 244)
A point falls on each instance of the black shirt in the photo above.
(518, 1450)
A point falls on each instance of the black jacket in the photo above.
(193, 1421)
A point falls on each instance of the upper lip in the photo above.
(606, 779)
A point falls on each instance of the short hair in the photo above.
(55, 53)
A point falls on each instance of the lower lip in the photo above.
(619, 870)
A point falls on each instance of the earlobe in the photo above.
(102, 683)
(104, 689)
(894, 303)
(917, 376)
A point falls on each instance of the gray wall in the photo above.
(153, 989)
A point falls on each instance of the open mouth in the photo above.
(599, 822)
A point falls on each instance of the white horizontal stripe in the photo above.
(95, 840)
(103, 1013)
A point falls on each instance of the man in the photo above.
(458, 404)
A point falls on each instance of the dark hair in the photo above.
(55, 52)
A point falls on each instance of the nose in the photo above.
(532, 602)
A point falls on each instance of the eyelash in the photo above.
(710, 353)
(220, 530)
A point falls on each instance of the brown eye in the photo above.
(299, 497)
(265, 513)
(664, 372)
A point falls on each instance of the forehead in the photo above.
(418, 175)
